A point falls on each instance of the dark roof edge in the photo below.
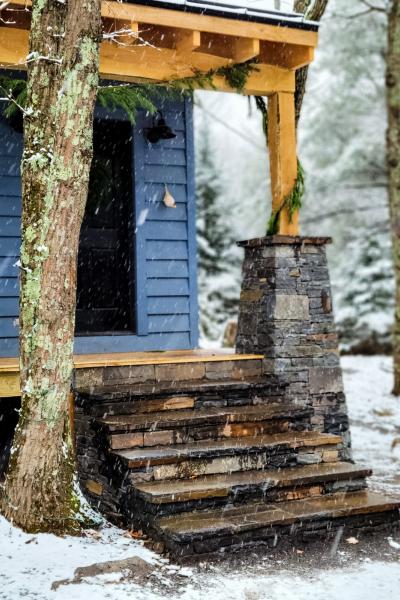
(290, 20)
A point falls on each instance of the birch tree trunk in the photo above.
(393, 162)
(58, 124)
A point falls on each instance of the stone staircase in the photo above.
(210, 464)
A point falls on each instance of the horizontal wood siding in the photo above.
(165, 239)
(168, 235)
(10, 238)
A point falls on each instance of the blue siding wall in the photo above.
(10, 221)
(167, 312)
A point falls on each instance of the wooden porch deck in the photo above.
(9, 367)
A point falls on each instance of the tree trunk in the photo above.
(314, 12)
(393, 162)
(58, 124)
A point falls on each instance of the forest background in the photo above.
(342, 147)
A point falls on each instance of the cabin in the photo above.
(137, 257)
(168, 436)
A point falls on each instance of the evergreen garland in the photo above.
(263, 108)
(237, 75)
(292, 202)
(132, 97)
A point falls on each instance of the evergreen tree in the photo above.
(211, 231)
(217, 259)
(342, 144)
(367, 298)
(393, 164)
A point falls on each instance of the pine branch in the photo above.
(15, 95)
(374, 8)
(261, 105)
(133, 97)
(292, 203)
(129, 98)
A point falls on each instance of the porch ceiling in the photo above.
(160, 44)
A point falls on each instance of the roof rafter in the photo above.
(160, 44)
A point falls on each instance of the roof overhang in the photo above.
(231, 11)
(172, 43)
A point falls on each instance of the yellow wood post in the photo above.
(282, 156)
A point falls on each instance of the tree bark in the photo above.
(62, 85)
(393, 162)
(314, 12)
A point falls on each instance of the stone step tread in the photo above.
(175, 418)
(210, 523)
(107, 393)
(225, 447)
(223, 485)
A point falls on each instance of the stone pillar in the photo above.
(286, 314)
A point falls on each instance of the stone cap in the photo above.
(276, 240)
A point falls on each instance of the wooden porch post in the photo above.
(282, 156)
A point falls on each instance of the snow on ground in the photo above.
(30, 564)
(375, 418)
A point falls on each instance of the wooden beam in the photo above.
(245, 49)
(118, 359)
(264, 82)
(187, 41)
(9, 385)
(174, 18)
(132, 32)
(282, 156)
(217, 45)
(287, 56)
(138, 63)
(212, 24)
(238, 49)
(157, 64)
(13, 47)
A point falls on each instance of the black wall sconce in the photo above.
(159, 130)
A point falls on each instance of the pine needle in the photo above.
(129, 98)
(292, 203)
(15, 90)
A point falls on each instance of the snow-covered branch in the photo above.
(4, 5)
(126, 37)
(9, 98)
(35, 56)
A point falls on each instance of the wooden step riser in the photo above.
(283, 537)
(184, 435)
(198, 420)
(178, 419)
(181, 400)
(212, 370)
(243, 496)
(257, 459)
(253, 522)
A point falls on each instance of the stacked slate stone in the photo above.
(286, 314)
(217, 453)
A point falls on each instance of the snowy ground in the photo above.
(29, 565)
